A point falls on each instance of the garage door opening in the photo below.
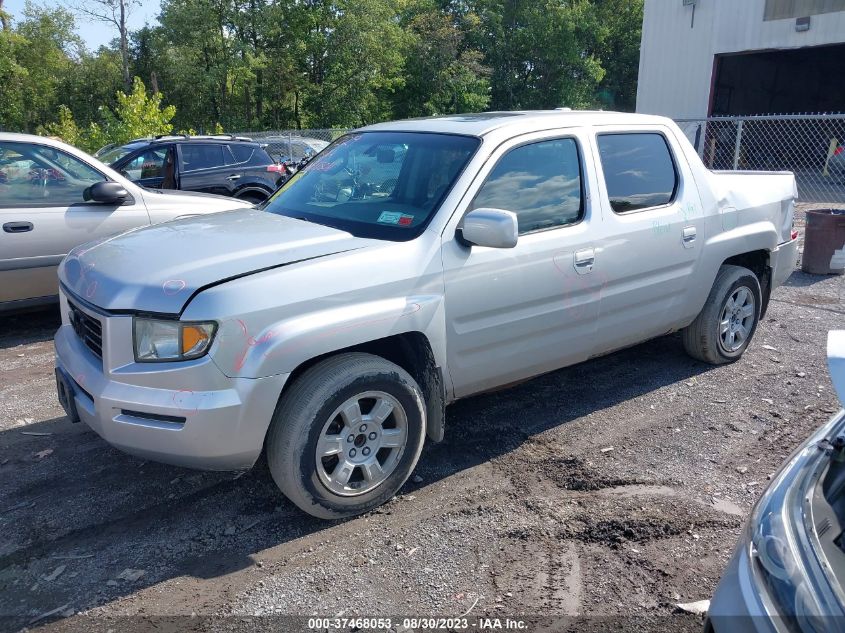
(796, 81)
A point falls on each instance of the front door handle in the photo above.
(17, 227)
(584, 260)
(689, 236)
(233, 177)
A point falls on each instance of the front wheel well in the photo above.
(758, 263)
(413, 353)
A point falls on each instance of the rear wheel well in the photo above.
(252, 193)
(412, 352)
(758, 263)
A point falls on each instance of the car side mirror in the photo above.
(105, 192)
(494, 228)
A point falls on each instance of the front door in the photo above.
(154, 168)
(43, 216)
(515, 313)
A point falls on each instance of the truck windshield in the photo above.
(384, 185)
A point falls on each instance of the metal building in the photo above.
(705, 58)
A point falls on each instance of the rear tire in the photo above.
(725, 326)
(346, 435)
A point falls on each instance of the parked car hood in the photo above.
(159, 268)
(192, 202)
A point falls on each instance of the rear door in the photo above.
(43, 216)
(258, 171)
(654, 233)
(515, 313)
(203, 167)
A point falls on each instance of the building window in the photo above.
(784, 9)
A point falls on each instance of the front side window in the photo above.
(149, 164)
(638, 170)
(385, 185)
(111, 155)
(540, 182)
(199, 156)
(40, 176)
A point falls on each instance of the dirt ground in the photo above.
(617, 487)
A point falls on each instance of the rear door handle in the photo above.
(689, 236)
(17, 227)
(584, 260)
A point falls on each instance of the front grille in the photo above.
(88, 329)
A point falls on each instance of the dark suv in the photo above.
(222, 164)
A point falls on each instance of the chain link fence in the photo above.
(810, 146)
(294, 145)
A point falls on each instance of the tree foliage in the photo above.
(273, 64)
(136, 115)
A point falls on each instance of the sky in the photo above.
(95, 34)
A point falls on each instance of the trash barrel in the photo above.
(824, 242)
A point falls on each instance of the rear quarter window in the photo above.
(260, 157)
(242, 153)
(639, 171)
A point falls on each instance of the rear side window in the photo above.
(540, 182)
(199, 156)
(242, 153)
(638, 170)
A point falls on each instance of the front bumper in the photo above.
(187, 414)
(736, 606)
(742, 603)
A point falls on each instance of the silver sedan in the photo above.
(54, 197)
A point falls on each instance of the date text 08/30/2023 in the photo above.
(423, 623)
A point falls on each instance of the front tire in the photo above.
(346, 435)
(723, 329)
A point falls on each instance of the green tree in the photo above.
(275, 64)
(136, 115)
(617, 30)
(38, 55)
(538, 53)
(443, 74)
(355, 60)
(13, 106)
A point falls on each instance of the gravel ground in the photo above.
(617, 487)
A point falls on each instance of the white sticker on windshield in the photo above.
(389, 217)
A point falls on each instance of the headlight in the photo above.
(784, 550)
(161, 340)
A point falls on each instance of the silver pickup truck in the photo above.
(409, 265)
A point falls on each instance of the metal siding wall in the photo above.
(675, 60)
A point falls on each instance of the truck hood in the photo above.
(159, 268)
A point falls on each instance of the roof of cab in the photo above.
(481, 124)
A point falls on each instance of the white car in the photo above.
(411, 264)
(54, 197)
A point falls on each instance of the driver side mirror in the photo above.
(494, 228)
(105, 192)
